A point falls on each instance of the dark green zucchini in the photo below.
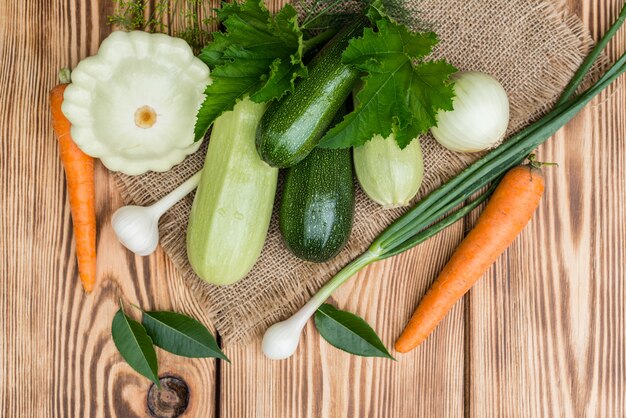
(317, 204)
(293, 126)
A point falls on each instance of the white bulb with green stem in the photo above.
(281, 339)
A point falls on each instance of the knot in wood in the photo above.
(171, 400)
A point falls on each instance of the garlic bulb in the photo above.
(134, 104)
(137, 227)
(480, 116)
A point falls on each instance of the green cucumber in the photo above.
(317, 204)
(232, 208)
(293, 126)
(387, 174)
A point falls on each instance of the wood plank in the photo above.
(320, 380)
(546, 326)
(547, 334)
(57, 356)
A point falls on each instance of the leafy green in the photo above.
(259, 55)
(181, 335)
(401, 93)
(349, 333)
(135, 345)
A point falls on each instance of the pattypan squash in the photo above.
(134, 104)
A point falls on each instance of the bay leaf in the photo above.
(348, 332)
(181, 335)
(135, 346)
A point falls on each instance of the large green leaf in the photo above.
(259, 55)
(401, 93)
(135, 346)
(181, 335)
(348, 332)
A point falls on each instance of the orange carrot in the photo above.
(508, 211)
(79, 173)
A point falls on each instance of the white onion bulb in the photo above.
(480, 116)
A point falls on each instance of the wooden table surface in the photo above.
(542, 335)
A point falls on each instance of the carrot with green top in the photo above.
(510, 208)
(79, 173)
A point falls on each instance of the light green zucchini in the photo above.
(233, 204)
(389, 175)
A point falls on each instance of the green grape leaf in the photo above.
(258, 55)
(401, 94)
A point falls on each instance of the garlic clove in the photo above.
(137, 229)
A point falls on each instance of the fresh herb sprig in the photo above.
(171, 331)
(133, 15)
(195, 16)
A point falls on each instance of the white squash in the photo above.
(134, 104)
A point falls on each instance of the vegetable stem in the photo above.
(318, 39)
(344, 274)
(325, 291)
(588, 62)
(65, 76)
(169, 200)
(437, 227)
(321, 13)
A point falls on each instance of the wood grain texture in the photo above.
(547, 335)
(543, 334)
(57, 357)
(321, 381)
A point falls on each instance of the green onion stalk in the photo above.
(453, 200)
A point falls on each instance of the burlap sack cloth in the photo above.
(533, 47)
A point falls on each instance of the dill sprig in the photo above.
(193, 18)
(132, 15)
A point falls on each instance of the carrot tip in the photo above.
(401, 348)
(88, 288)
